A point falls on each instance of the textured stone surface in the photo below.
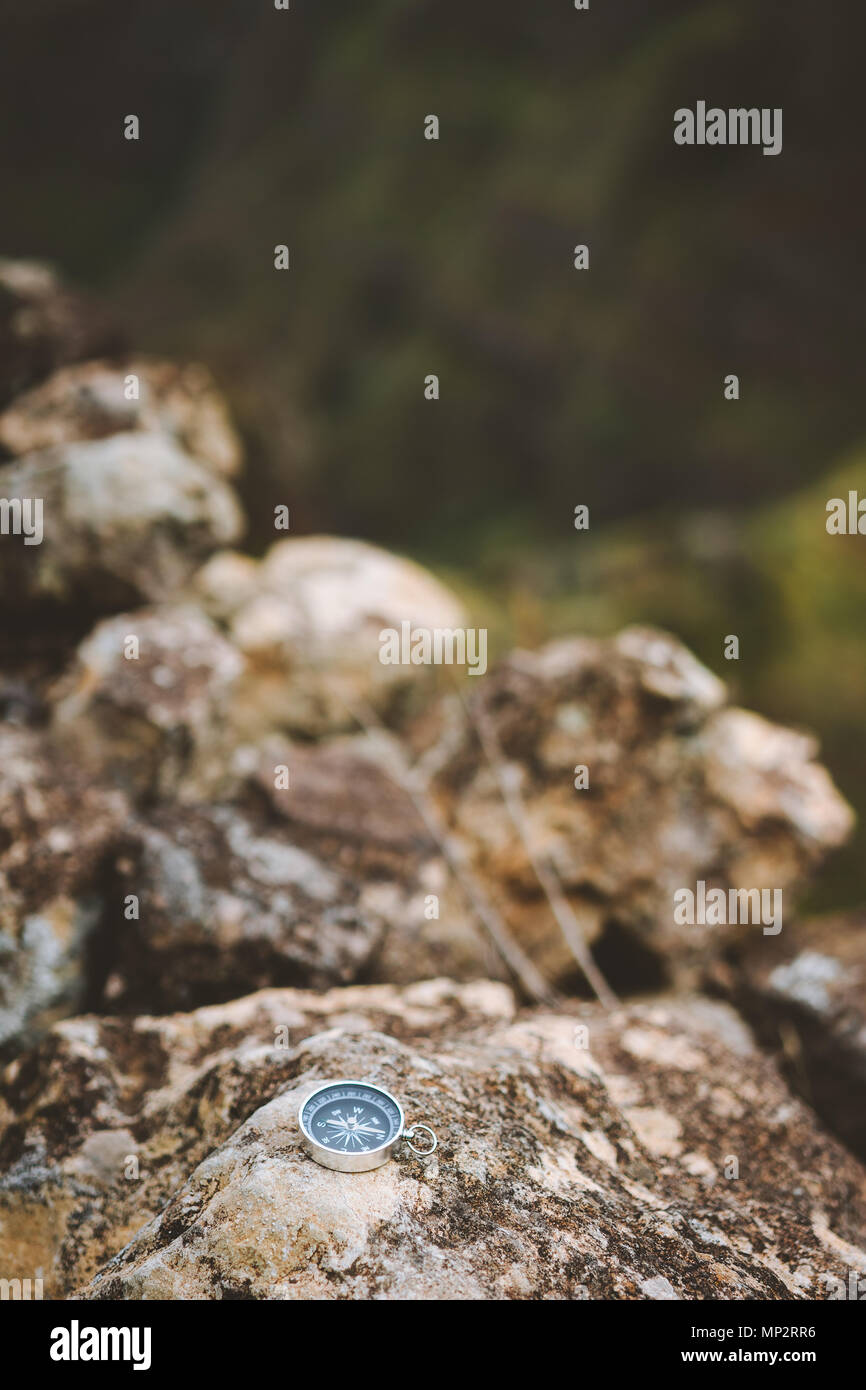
(681, 789)
(563, 1171)
(240, 885)
(805, 996)
(126, 519)
(229, 903)
(89, 401)
(352, 812)
(166, 1090)
(322, 884)
(158, 720)
(308, 618)
(56, 830)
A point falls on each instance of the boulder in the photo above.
(681, 789)
(124, 519)
(324, 883)
(646, 1154)
(90, 400)
(307, 617)
(226, 903)
(146, 703)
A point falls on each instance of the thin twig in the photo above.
(530, 979)
(543, 870)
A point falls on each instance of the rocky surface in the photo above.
(146, 703)
(306, 886)
(308, 617)
(93, 400)
(681, 788)
(221, 881)
(166, 1152)
(230, 901)
(237, 659)
(99, 1091)
(806, 1000)
(126, 518)
(133, 494)
(56, 832)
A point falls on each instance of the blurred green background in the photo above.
(412, 257)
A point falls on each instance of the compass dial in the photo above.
(351, 1117)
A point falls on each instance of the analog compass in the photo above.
(353, 1126)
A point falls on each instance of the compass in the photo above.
(353, 1126)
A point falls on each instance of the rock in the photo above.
(56, 832)
(308, 619)
(681, 789)
(228, 904)
(351, 812)
(44, 325)
(563, 1171)
(75, 1095)
(322, 884)
(89, 401)
(213, 836)
(158, 721)
(766, 773)
(337, 795)
(126, 519)
(189, 901)
(805, 996)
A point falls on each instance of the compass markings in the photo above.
(349, 1131)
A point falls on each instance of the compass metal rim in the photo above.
(348, 1162)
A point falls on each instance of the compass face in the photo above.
(350, 1117)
